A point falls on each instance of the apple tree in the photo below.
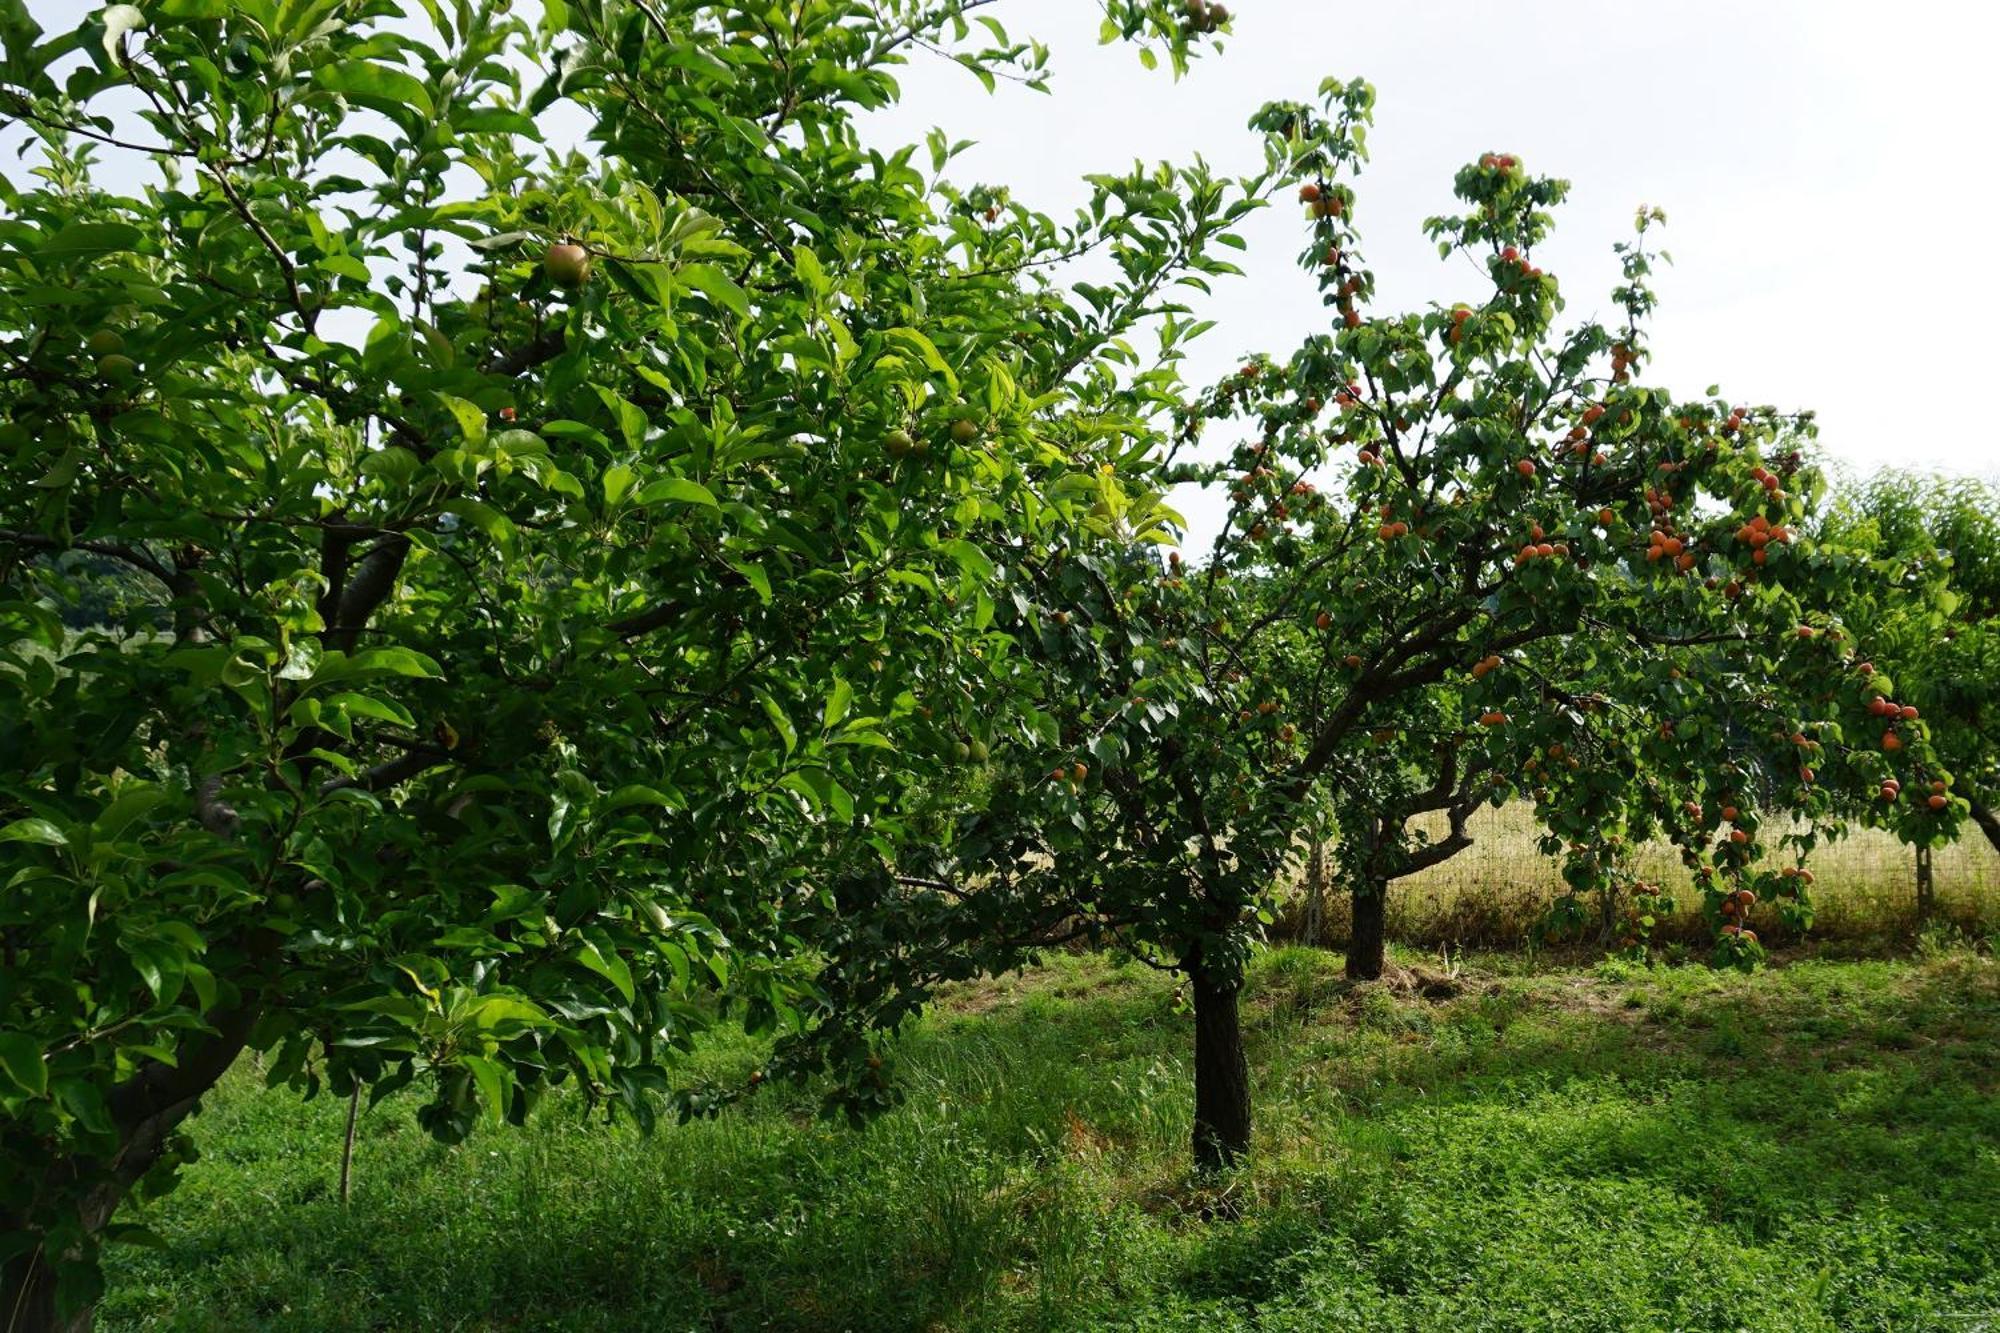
(1470, 557)
(527, 556)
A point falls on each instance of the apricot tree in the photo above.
(528, 553)
(1469, 557)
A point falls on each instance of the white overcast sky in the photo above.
(1825, 166)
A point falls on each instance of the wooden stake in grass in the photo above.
(347, 1146)
(1315, 893)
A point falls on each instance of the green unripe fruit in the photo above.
(117, 369)
(900, 443)
(964, 431)
(961, 752)
(104, 342)
(567, 265)
(980, 754)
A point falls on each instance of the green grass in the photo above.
(1814, 1147)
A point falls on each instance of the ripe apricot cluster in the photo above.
(1759, 534)
(1541, 550)
(1664, 545)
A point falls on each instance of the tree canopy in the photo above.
(475, 608)
(534, 555)
(1471, 557)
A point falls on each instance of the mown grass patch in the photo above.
(1813, 1147)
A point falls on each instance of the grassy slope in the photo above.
(1817, 1147)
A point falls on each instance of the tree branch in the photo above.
(131, 555)
(374, 579)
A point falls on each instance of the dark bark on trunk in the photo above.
(1366, 943)
(28, 1284)
(1989, 823)
(1926, 886)
(28, 1298)
(1221, 1073)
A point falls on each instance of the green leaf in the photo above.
(471, 421)
(713, 283)
(84, 1101)
(495, 1082)
(36, 831)
(810, 270)
(381, 88)
(639, 794)
(486, 519)
(119, 20)
(382, 710)
(91, 238)
(677, 490)
(971, 560)
(631, 420)
(21, 1063)
(759, 580)
(603, 959)
(397, 662)
(116, 817)
(618, 480)
(837, 704)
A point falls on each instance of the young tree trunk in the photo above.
(1365, 945)
(1221, 1074)
(347, 1146)
(1926, 886)
(1315, 921)
(1989, 823)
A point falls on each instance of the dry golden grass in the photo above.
(1495, 893)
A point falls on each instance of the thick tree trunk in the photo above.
(28, 1297)
(1221, 1074)
(147, 1108)
(1366, 943)
(1989, 823)
(28, 1284)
